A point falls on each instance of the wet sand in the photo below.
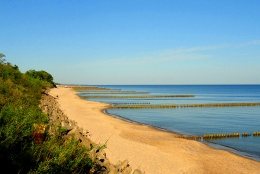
(149, 149)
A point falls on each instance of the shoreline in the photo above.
(210, 144)
(159, 151)
(139, 123)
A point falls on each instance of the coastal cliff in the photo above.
(57, 118)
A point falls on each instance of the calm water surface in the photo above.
(198, 121)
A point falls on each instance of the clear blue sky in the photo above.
(134, 41)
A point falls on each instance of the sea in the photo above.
(194, 121)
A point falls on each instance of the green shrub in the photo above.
(22, 120)
(41, 75)
(59, 156)
(16, 134)
(19, 118)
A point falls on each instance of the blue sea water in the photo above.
(198, 121)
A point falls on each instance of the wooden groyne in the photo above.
(113, 92)
(132, 103)
(256, 134)
(88, 88)
(173, 106)
(213, 136)
(140, 96)
(222, 135)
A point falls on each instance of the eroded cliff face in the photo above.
(57, 118)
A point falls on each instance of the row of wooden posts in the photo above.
(222, 136)
(113, 92)
(168, 106)
(129, 103)
(138, 96)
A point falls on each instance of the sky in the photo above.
(134, 41)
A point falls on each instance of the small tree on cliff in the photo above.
(2, 58)
(41, 75)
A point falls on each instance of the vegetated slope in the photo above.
(35, 142)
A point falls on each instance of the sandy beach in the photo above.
(147, 148)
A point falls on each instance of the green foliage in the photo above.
(59, 156)
(41, 75)
(16, 134)
(2, 56)
(18, 87)
(20, 117)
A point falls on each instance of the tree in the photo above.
(41, 75)
(2, 58)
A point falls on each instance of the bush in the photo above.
(59, 156)
(25, 145)
(16, 134)
(41, 75)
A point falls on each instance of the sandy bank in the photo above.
(151, 150)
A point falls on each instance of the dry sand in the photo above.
(146, 148)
